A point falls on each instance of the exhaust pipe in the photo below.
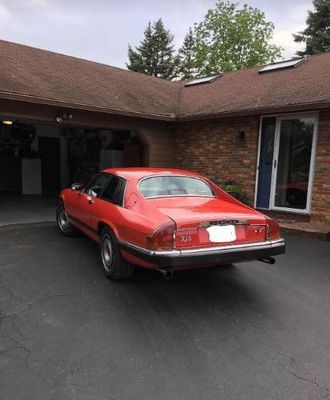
(268, 260)
(167, 274)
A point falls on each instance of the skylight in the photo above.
(282, 65)
(199, 81)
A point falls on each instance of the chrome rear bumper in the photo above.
(206, 256)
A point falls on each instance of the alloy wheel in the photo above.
(107, 253)
(63, 220)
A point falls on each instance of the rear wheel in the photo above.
(63, 223)
(228, 266)
(114, 265)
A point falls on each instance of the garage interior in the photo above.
(38, 159)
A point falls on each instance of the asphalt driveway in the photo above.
(250, 332)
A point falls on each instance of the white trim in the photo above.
(275, 164)
(311, 164)
(258, 161)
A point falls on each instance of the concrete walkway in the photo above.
(19, 209)
(311, 230)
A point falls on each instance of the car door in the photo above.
(108, 206)
(82, 204)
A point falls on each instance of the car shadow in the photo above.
(227, 289)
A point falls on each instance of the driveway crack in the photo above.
(312, 381)
(301, 377)
(22, 346)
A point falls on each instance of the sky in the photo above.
(100, 30)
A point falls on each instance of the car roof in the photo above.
(135, 173)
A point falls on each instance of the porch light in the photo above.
(7, 122)
(241, 136)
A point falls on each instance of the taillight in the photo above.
(273, 229)
(163, 237)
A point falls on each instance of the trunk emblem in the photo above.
(222, 222)
(186, 238)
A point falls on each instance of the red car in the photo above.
(165, 219)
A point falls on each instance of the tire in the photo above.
(63, 222)
(227, 266)
(114, 265)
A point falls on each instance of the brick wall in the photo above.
(321, 187)
(215, 149)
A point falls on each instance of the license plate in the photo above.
(221, 234)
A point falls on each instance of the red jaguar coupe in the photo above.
(165, 219)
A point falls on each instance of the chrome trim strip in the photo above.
(210, 250)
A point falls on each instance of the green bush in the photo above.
(235, 190)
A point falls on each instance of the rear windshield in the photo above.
(159, 186)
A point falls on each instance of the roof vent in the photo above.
(200, 81)
(294, 62)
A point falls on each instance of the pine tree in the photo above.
(155, 55)
(317, 33)
(186, 57)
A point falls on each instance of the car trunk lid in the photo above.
(208, 222)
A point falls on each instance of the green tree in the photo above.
(186, 57)
(317, 33)
(155, 55)
(231, 38)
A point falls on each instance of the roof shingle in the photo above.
(44, 75)
(36, 75)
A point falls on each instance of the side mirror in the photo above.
(77, 187)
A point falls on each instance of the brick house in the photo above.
(64, 118)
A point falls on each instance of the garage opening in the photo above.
(38, 159)
(92, 150)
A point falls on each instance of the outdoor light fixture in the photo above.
(241, 135)
(7, 122)
(63, 117)
(241, 138)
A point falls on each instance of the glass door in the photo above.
(293, 163)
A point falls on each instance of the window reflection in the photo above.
(296, 139)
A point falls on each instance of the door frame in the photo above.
(279, 119)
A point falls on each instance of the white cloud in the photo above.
(38, 3)
(285, 27)
(285, 39)
(4, 12)
(100, 30)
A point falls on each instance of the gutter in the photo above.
(173, 117)
(83, 107)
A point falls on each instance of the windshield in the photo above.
(159, 186)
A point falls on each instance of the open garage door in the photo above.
(38, 158)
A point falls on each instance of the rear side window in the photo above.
(97, 185)
(114, 191)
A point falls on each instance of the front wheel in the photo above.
(63, 222)
(114, 265)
